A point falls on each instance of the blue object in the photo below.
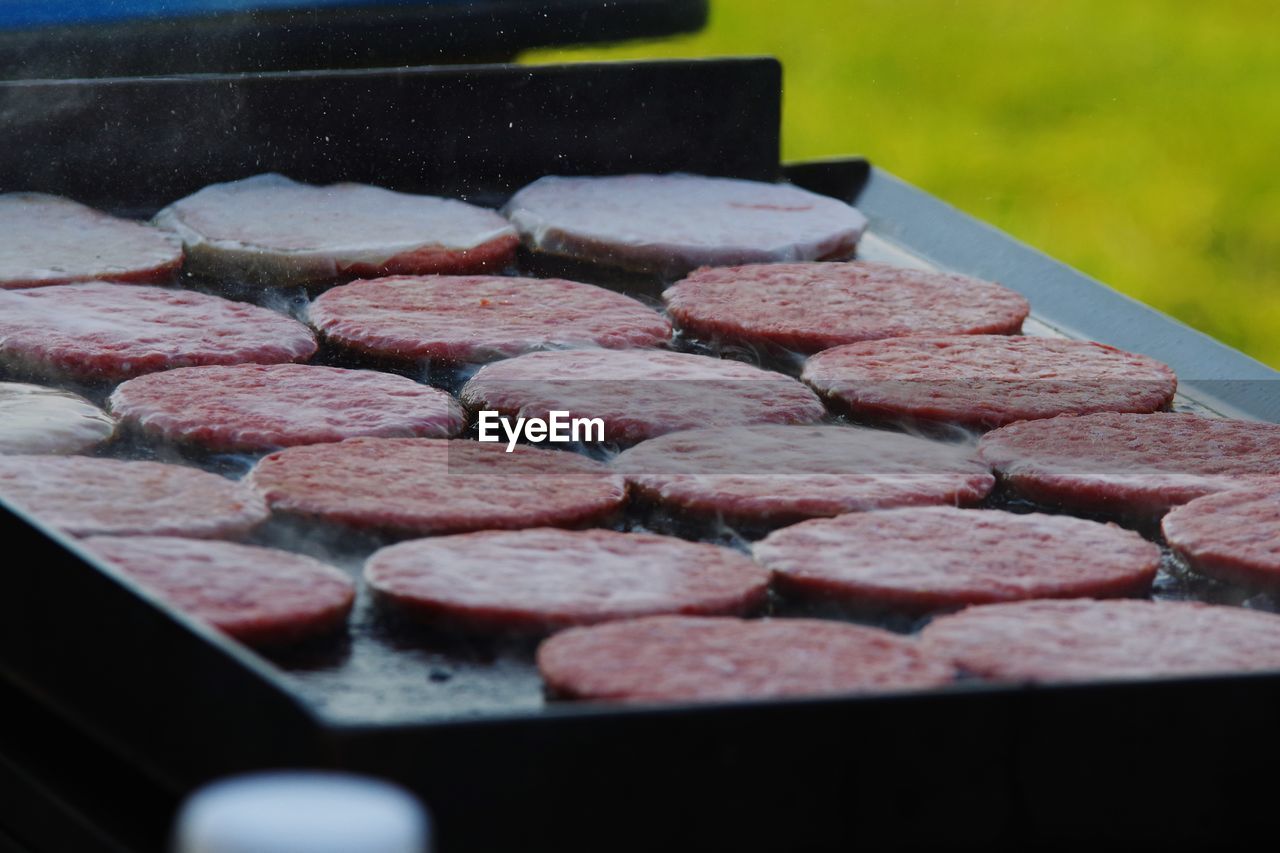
(21, 14)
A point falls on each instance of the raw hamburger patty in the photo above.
(272, 230)
(670, 224)
(249, 407)
(986, 381)
(100, 332)
(784, 473)
(1233, 535)
(1083, 639)
(689, 658)
(811, 307)
(87, 496)
(920, 560)
(45, 239)
(1130, 463)
(34, 419)
(640, 394)
(260, 596)
(536, 581)
(481, 318)
(420, 486)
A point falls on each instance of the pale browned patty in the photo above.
(689, 658)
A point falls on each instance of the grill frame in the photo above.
(972, 765)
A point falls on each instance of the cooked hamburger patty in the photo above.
(541, 580)
(670, 224)
(481, 318)
(1082, 639)
(100, 332)
(812, 307)
(985, 381)
(260, 596)
(275, 231)
(46, 240)
(416, 486)
(1232, 535)
(34, 419)
(1139, 464)
(249, 407)
(925, 559)
(640, 394)
(690, 658)
(86, 496)
(777, 474)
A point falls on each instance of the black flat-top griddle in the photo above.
(161, 703)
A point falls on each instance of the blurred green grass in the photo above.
(1137, 141)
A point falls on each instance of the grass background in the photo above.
(1135, 140)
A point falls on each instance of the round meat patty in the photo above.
(778, 474)
(481, 318)
(692, 658)
(272, 230)
(34, 419)
(100, 332)
(812, 307)
(86, 496)
(985, 381)
(921, 560)
(1082, 639)
(251, 407)
(1130, 463)
(669, 224)
(1234, 536)
(45, 239)
(418, 486)
(542, 580)
(260, 596)
(640, 393)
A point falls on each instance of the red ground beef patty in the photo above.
(1130, 463)
(481, 318)
(1233, 535)
(640, 394)
(275, 231)
(690, 658)
(777, 474)
(1082, 639)
(86, 496)
(251, 407)
(985, 381)
(812, 307)
(669, 224)
(45, 240)
(538, 581)
(34, 419)
(921, 560)
(101, 332)
(421, 486)
(260, 596)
